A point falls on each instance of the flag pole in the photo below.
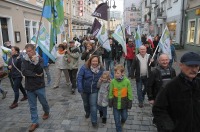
(154, 54)
(40, 23)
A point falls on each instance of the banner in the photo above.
(119, 35)
(102, 37)
(44, 43)
(95, 27)
(164, 43)
(150, 40)
(101, 11)
(127, 30)
(138, 41)
(5, 53)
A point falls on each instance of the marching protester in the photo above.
(120, 97)
(2, 69)
(141, 70)
(90, 50)
(177, 106)
(14, 65)
(71, 56)
(32, 69)
(159, 77)
(103, 85)
(87, 79)
(173, 53)
(61, 66)
(130, 55)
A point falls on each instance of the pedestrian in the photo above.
(88, 52)
(173, 53)
(1, 69)
(32, 69)
(61, 66)
(14, 65)
(141, 70)
(159, 77)
(177, 106)
(130, 55)
(102, 101)
(120, 97)
(87, 79)
(71, 56)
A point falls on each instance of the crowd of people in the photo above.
(103, 81)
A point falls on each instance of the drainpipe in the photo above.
(182, 24)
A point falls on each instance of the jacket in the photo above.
(103, 93)
(154, 83)
(17, 62)
(110, 54)
(120, 94)
(87, 80)
(73, 57)
(29, 70)
(136, 67)
(85, 56)
(177, 106)
(130, 52)
(60, 63)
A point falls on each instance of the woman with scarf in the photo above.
(14, 65)
(61, 66)
(87, 79)
(90, 50)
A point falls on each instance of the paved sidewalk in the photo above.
(67, 112)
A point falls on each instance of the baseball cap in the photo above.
(190, 58)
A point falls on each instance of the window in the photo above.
(169, 3)
(191, 31)
(31, 28)
(27, 25)
(198, 33)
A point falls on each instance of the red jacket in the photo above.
(130, 52)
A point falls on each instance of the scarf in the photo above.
(120, 79)
(95, 69)
(61, 51)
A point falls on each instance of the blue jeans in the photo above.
(46, 69)
(104, 110)
(110, 66)
(120, 115)
(32, 100)
(18, 85)
(140, 91)
(129, 65)
(90, 105)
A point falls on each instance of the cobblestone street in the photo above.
(67, 112)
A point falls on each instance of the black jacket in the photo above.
(177, 106)
(135, 69)
(17, 62)
(29, 70)
(85, 56)
(110, 54)
(154, 83)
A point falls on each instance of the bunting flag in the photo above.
(138, 41)
(127, 30)
(54, 13)
(119, 35)
(101, 11)
(95, 27)
(164, 43)
(44, 43)
(150, 40)
(102, 37)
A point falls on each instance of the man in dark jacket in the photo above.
(177, 106)
(141, 70)
(159, 77)
(32, 69)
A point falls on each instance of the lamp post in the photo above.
(109, 3)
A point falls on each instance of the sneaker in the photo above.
(45, 116)
(122, 123)
(141, 105)
(4, 94)
(94, 125)
(73, 90)
(33, 127)
(24, 98)
(13, 105)
(104, 121)
(101, 113)
(55, 87)
(68, 83)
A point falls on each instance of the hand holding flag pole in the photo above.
(154, 54)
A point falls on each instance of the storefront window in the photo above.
(191, 33)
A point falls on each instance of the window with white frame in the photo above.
(198, 33)
(169, 3)
(191, 31)
(31, 28)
